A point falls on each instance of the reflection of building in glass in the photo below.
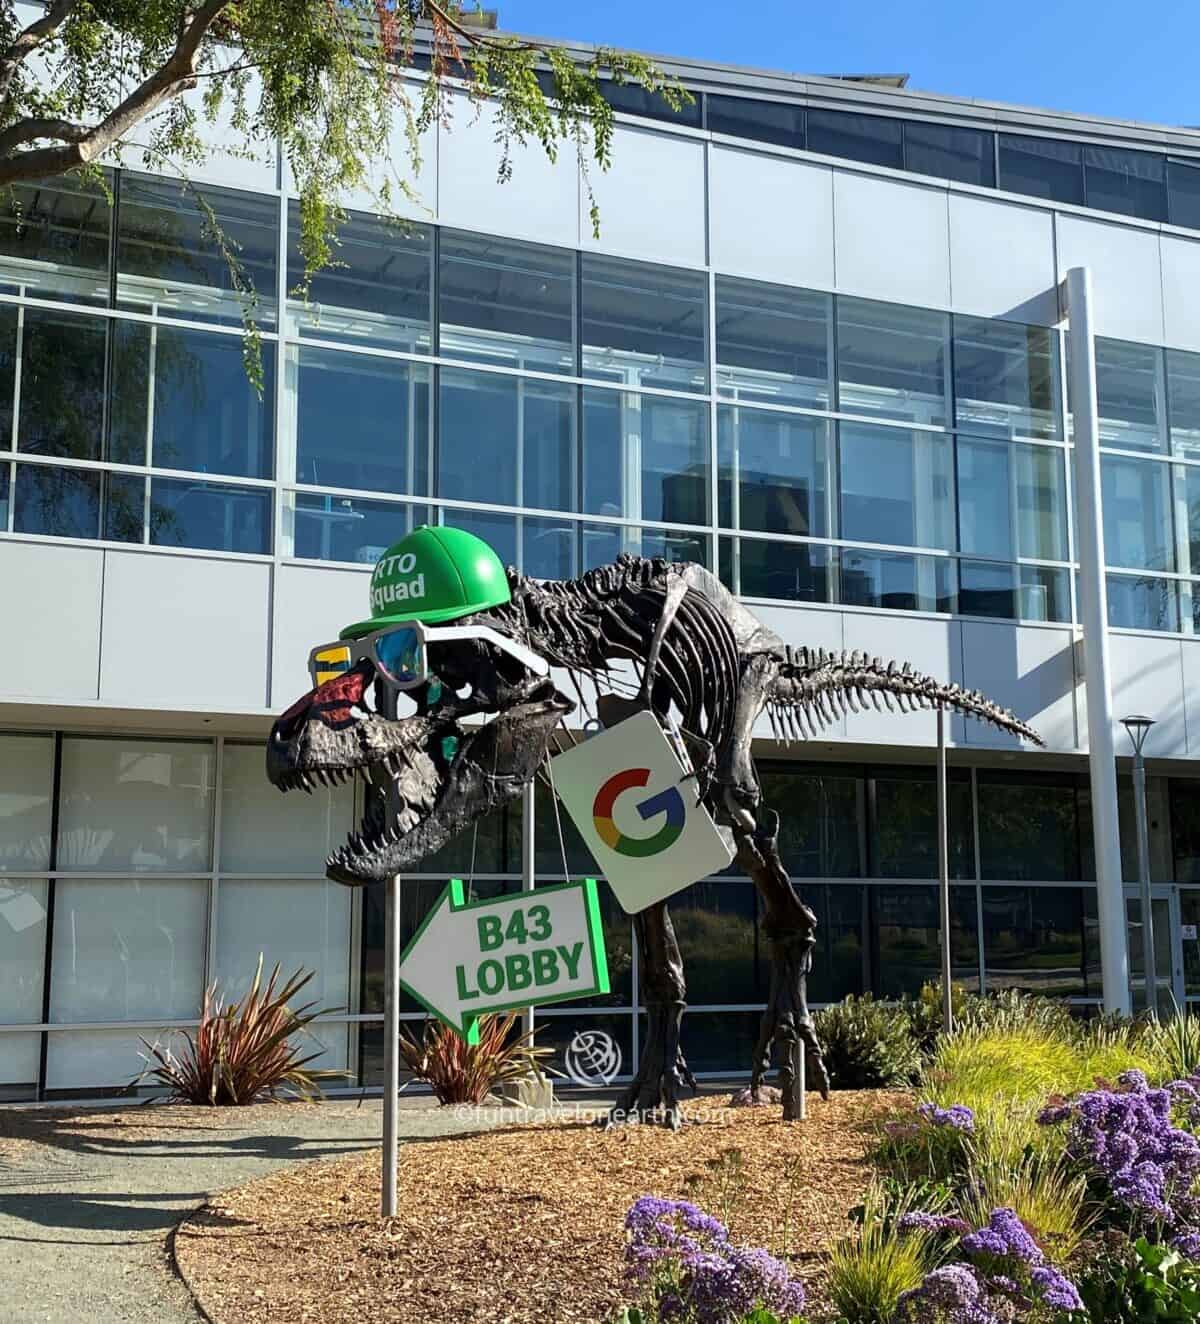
(874, 451)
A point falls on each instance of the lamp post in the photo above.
(1138, 728)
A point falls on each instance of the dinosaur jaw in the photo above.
(439, 774)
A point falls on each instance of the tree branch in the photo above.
(31, 129)
(86, 145)
(28, 41)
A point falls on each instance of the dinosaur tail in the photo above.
(815, 687)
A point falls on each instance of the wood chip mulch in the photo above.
(523, 1223)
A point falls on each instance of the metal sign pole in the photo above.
(391, 1036)
(944, 875)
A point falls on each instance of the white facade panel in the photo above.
(891, 240)
(185, 632)
(770, 217)
(1180, 286)
(1030, 671)
(50, 605)
(1147, 677)
(312, 605)
(1190, 664)
(1126, 275)
(541, 199)
(231, 161)
(651, 200)
(1021, 286)
(932, 646)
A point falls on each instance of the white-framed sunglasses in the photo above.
(401, 652)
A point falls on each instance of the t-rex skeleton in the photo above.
(700, 660)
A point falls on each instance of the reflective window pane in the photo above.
(340, 528)
(361, 421)
(1137, 513)
(1142, 602)
(375, 292)
(633, 99)
(1183, 394)
(506, 303)
(1129, 392)
(986, 588)
(1044, 594)
(1132, 183)
(1029, 826)
(643, 325)
(1042, 167)
(819, 818)
(556, 1032)
(62, 384)
(967, 155)
(895, 580)
(1183, 193)
(772, 343)
(506, 439)
(902, 824)
(605, 542)
(1005, 378)
(122, 508)
(1185, 834)
(718, 1042)
(892, 361)
(896, 486)
(645, 456)
(1033, 940)
(1041, 502)
(716, 930)
(208, 417)
(26, 785)
(840, 958)
(169, 251)
(295, 925)
(214, 516)
(905, 934)
(779, 122)
(549, 818)
(263, 832)
(54, 240)
(787, 571)
(60, 503)
(774, 466)
(549, 548)
(871, 138)
(985, 498)
(22, 951)
(1189, 913)
(127, 950)
(141, 805)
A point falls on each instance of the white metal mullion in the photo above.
(710, 336)
(214, 882)
(283, 433)
(10, 517)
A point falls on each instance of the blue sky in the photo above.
(1102, 57)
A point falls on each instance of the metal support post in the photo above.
(1093, 617)
(944, 876)
(391, 1037)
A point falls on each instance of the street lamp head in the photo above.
(1138, 727)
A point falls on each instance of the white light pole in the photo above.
(1138, 728)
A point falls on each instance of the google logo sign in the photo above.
(668, 802)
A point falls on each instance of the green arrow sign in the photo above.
(471, 958)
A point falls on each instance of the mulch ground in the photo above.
(522, 1224)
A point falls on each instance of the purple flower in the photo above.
(1005, 1236)
(919, 1221)
(1055, 1290)
(952, 1293)
(958, 1116)
(1134, 1080)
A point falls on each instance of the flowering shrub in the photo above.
(1144, 1164)
(958, 1116)
(684, 1259)
(1007, 1280)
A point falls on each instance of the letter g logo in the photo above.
(668, 802)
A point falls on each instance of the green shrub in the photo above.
(1141, 1283)
(1173, 1046)
(866, 1044)
(1047, 1196)
(869, 1271)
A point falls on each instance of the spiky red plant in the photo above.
(459, 1072)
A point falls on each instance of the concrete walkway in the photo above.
(89, 1200)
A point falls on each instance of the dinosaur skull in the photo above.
(440, 771)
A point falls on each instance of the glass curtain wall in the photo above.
(566, 406)
(135, 871)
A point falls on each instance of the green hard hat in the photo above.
(433, 575)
